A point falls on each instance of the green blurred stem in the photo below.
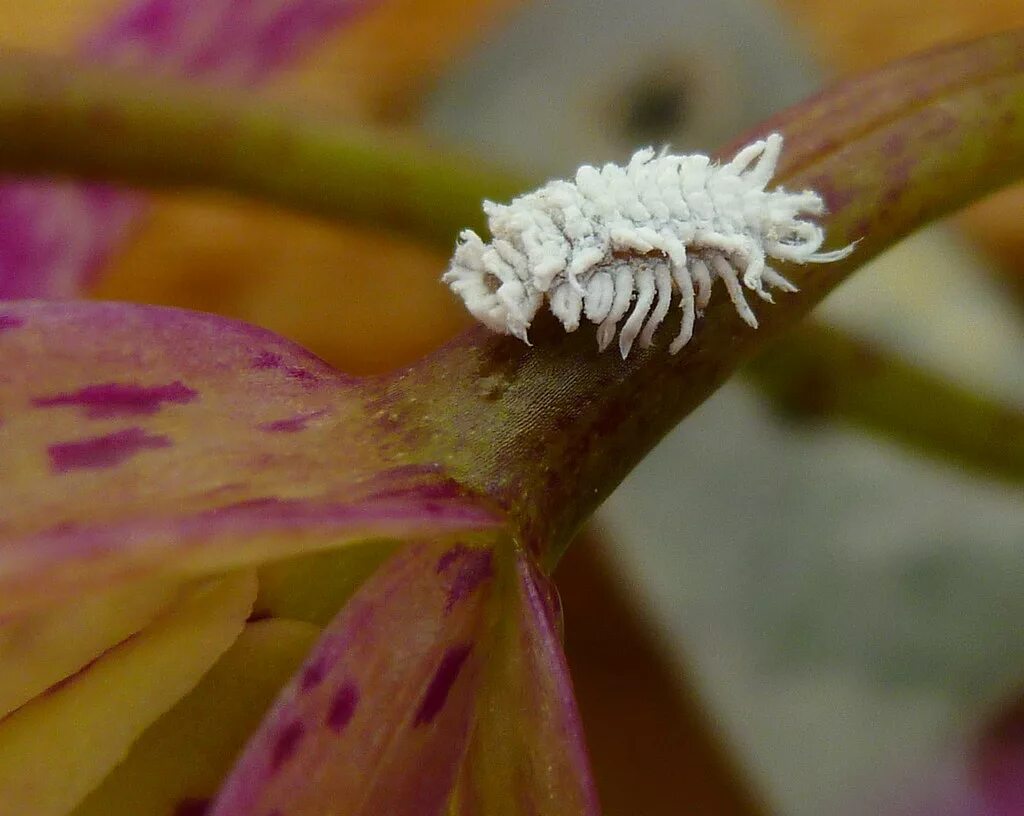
(549, 431)
(814, 372)
(64, 119)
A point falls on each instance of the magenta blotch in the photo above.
(261, 42)
(120, 399)
(442, 489)
(300, 374)
(9, 321)
(103, 451)
(441, 684)
(445, 562)
(343, 707)
(313, 675)
(292, 424)
(56, 236)
(152, 25)
(427, 481)
(474, 567)
(287, 744)
(267, 359)
(271, 361)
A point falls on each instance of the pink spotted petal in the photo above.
(54, 238)
(237, 41)
(377, 720)
(143, 440)
(528, 754)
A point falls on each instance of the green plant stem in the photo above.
(63, 119)
(814, 372)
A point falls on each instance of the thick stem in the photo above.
(551, 430)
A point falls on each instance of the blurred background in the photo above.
(773, 614)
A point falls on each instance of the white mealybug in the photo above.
(636, 235)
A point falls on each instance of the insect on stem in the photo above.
(639, 235)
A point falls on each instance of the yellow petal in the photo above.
(314, 587)
(59, 746)
(184, 756)
(528, 754)
(39, 650)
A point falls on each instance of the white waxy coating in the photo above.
(660, 227)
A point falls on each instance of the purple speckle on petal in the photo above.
(292, 424)
(445, 562)
(287, 744)
(441, 684)
(152, 25)
(268, 360)
(54, 237)
(343, 706)
(301, 374)
(297, 22)
(192, 807)
(120, 399)
(443, 489)
(8, 322)
(473, 568)
(313, 675)
(103, 451)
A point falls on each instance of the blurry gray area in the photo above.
(574, 81)
(848, 609)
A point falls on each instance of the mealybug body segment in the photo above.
(637, 236)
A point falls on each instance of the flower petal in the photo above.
(238, 41)
(37, 651)
(528, 753)
(140, 439)
(314, 587)
(59, 746)
(54, 238)
(176, 766)
(377, 720)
